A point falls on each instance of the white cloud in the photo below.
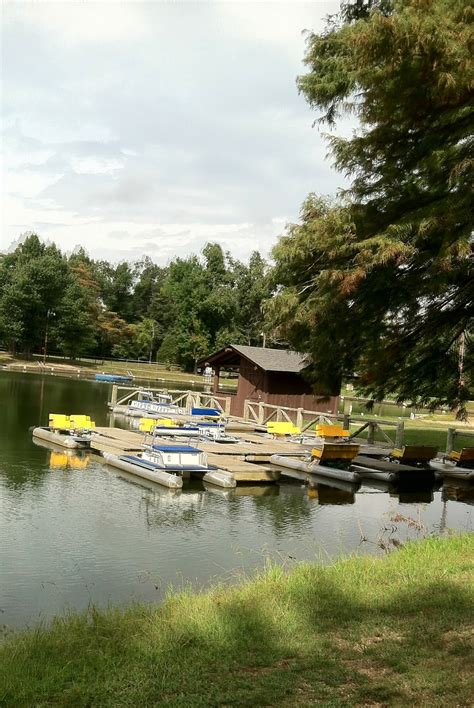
(27, 184)
(153, 127)
(95, 165)
(80, 23)
(276, 23)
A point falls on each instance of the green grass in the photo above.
(421, 433)
(395, 631)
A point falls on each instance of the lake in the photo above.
(74, 533)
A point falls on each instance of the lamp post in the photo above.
(152, 340)
(48, 315)
(264, 337)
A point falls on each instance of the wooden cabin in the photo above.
(267, 376)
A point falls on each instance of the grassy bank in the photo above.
(396, 631)
(422, 433)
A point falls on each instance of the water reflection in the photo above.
(349, 487)
(243, 490)
(63, 458)
(458, 490)
(403, 492)
(332, 495)
(256, 490)
(166, 507)
(413, 496)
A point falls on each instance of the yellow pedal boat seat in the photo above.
(59, 421)
(331, 431)
(146, 425)
(282, 428)
(81, 421)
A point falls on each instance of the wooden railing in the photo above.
(184, 399)
(452, 433)
(374, 426)
(262, 413)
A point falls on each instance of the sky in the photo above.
(152, 128)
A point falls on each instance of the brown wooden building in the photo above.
(267, 376)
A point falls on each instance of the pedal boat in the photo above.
(169, 464)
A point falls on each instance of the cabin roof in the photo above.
(265, 358)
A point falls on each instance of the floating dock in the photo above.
(247, 460)
(255, 458)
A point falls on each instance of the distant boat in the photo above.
(114, 378)
(160, 403)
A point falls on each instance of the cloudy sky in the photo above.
(150, 128)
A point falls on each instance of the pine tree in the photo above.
(381, 283)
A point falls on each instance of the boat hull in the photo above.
(220, 479)
(62, 439)
(167, 479)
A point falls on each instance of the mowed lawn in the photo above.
(391, 631)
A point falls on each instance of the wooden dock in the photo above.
(245, 460)
(116, 441)
(244, 471)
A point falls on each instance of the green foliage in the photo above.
(148, 278)
(254, 288)
(168, 351)
(178, 313)
(207, 306)
(75, 331)
(381, 282)
(33, 280)
(117, 288)
(115, 335)
(145, 335)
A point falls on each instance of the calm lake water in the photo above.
(74, 533)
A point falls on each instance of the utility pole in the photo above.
(152, 340)
(49, 312)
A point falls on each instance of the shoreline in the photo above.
(395, 630)
(87, 373)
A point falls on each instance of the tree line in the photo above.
(173, 314)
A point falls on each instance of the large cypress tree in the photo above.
(381, 282)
